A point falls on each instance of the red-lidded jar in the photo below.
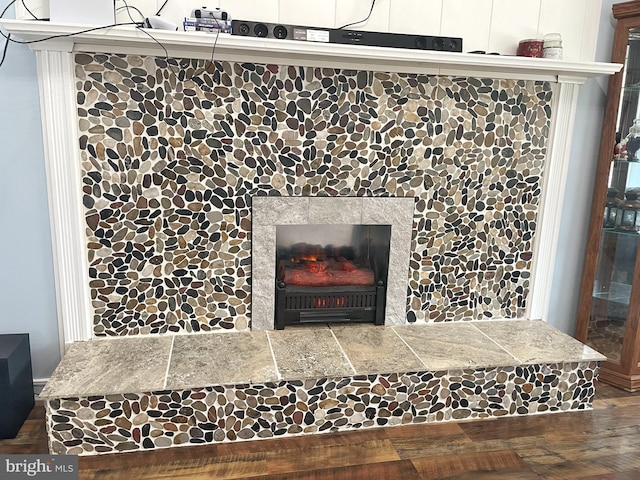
(530, 48)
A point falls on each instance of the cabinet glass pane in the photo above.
(629, 109)
(611, 292)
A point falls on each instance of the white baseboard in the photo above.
(38, 385)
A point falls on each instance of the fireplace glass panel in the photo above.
(331, 273)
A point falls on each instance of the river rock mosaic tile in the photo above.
(172, 155)
(129, 422)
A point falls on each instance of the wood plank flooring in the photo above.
(603, 444)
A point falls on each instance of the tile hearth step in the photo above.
(127, 394)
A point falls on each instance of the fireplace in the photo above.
(331, 273)
(363, 244)
(464, 152)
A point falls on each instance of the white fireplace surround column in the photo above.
(62, 160)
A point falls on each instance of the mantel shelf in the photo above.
(130, 40)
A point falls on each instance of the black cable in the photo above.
(373, 2)
(129, 7)
(8, 37)
(7, 8)
(213, 49)
(162, 7)
(215, 41)
(64, 35)
(139, 26)
(166, 52)
(51, 37)
(93, 29)
(126, 5)
(4, 50)
(29, 11)
(208, 62)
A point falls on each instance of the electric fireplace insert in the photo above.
(331, 273)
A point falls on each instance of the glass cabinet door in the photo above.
(609, 307)
(618, 246)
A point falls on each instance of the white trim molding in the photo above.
(129, 40)
(565, 101)
(62, 159)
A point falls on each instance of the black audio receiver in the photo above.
(350, 37)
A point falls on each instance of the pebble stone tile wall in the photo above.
(173, 153)
(128, 422)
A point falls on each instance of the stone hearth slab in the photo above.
(110, 396)
(121, 364)
(372, 349)
(308, 351)
(221, 359)
(536, 342)
(303, 352)
(458, 345)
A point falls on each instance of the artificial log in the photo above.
(325, 273)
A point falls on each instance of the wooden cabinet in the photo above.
(609, 312)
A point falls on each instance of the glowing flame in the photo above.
(307, 258)
(328, 302)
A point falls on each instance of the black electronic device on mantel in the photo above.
(248, 28)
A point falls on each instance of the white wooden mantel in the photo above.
(60, 127)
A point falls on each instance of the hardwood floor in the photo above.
(602, 444)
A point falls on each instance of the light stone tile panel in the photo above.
(280, 210)
(263, 248)
(424, 17)
(534, 341)
(263, 294)
(349, 11)
(472, 22)
(335, 210)
(376, 349)
(388, 210)
(398, 212)
(122, 365)
(220, 359)
(308, 351)
(453, 346)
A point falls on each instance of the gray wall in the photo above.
(577, 202)
(27, 295)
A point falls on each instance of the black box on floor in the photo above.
(16, 383)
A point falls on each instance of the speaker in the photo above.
(397, 40)
(248, 28)
(16, 383)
